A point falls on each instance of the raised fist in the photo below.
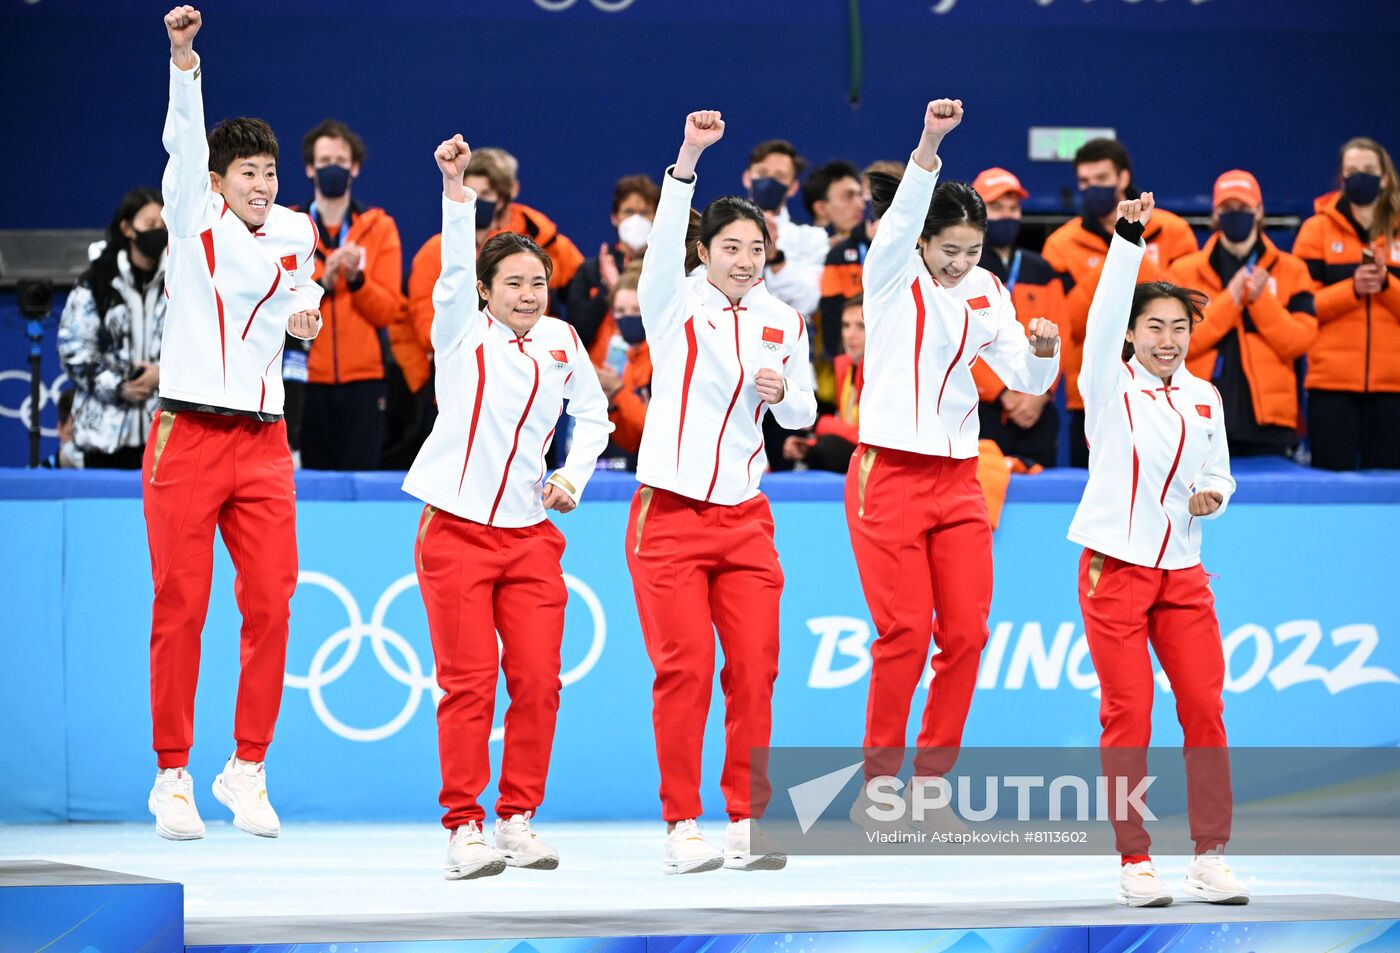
(703, 129)
(181, 24)
(943, 116)
(1138, 209)
(452, 157)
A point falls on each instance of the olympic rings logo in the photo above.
(48, 394)
(410, 673)
(606, 6)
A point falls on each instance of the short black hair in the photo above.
(768, 147)
(723, 211)
(953, 203)
(241, 138)
(823, 177)
(1097, 150)
(331, 129)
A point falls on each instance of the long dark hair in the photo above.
(723, 211)
(103, 270)
(1193, 301)
(953, 203)
(498, 248)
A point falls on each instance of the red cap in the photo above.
(993, 183)
(1238, 184)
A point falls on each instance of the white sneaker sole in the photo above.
(755, 862)
(239, 821)
(1211, 895)
(526, 862)
(1164, 900)
(166, 832)
(698, 866)
(489, 869)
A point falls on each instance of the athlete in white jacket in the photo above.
(1158, 465)
(238, 276)
(487, 556)
(700, 535)
(917, 516)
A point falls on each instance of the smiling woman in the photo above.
(700, 535)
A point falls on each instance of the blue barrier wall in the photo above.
(1312, 645)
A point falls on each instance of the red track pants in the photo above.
(203, 471)
(1125, 608)
(922, 544)
(479, 581)
(697, 568)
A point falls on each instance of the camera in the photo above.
(35, 298)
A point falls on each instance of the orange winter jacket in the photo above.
(1358, 338)
(1273, 331)
(629, 405)
(347, 349)
(1078, 251)
(523, 220)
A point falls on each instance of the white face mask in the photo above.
(634, 230)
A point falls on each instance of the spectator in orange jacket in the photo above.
(1352, 249)
(1077, 250)
(1258, 322)
(1025, 426)
(846, 262)
(629, 390)
(360, 264)
(633, 207)
(831, 445)
(493, 174)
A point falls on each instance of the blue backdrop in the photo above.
(1311, 644)
(583, 96)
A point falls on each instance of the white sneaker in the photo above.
(748, 848)
(522, 847)
(936, 820)
(172, 802)
(861, 813)
(1138, 886)
(1208, 878)
(469, 856)
(242, 788)
(689, 853)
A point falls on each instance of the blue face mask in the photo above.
(1001, 232)
(1362, 188)
(1098, 200)
(1237, 226)
(332, 181)
(485, 213)
(630, 327)
(768, 194)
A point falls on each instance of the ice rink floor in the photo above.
(330, 869)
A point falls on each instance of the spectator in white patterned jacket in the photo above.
(109, 336)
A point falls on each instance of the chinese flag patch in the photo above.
(772, 335)
(979, 303)
(289, 262)
(1203, 410)
(559, 356)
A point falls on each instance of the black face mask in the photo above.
(631, 328)
(1098, 200)
(485, 213)
(768, 194)
(1362, 188)
(151, 242)
(1237, 226)
(1001, 232)
(332, 181)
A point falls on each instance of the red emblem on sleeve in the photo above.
(559, 356)
(772, 335)
(1203, 410)
(289, 262)
(979, 303)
